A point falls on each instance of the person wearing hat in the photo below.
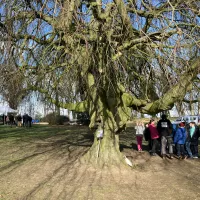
(164, 127)
(179, 140)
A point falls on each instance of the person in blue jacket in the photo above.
(179, 140)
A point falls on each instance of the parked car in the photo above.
(187, 119)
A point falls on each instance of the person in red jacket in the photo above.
(154, 136)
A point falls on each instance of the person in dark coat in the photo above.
(164, 127)
(194, 137)
(25, 120)
(188, 143)
(19, 120)
(147, 136)
(11, 119)
(29, 121)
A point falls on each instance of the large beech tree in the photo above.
(106, 57)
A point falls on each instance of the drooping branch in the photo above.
(176, 93)
(124, 15)
(78, 107)
(191, 101)
(99, 40)
(33, 15)
(34, 38)
(131, 101)
(149, 38)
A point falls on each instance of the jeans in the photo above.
(180, 149)
(150, 144)
(155, 144)
(194, 149)
(188, 149)
(164, 142)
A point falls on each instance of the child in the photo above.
(154, 136)
(179, 140)
(147, 136)
(139, 134)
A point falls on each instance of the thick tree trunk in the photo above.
(105, 151)
(111, 109)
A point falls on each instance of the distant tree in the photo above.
(12, 82)
(38, 116)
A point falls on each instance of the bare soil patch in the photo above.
(43, 163)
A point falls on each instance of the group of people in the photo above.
(164, 138)
(19, 120)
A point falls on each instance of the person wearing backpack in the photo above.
(179, 140)
(164, 127)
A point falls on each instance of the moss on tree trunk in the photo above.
(105, 151)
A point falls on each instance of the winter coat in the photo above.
(147, 134)
(180, 136)
(19, 118)
(11, 117)
(164, 127)
(154, 132)
(195, 137)
(139, 130)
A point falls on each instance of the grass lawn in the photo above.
(19, 144)
(43, 163)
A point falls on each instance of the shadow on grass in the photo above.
(26, 144)
(128, 140)
(45, 163)
(39, 131)
(20, 144)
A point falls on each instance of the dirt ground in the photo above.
(42, 163)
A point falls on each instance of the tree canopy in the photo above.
(105, 57)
